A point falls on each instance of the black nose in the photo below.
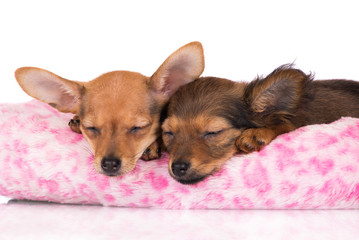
(180, 168)
(110, 165)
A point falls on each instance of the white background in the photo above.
(80, 40)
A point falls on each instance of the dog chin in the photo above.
(191, 180)
(112, 174)
(117, 174)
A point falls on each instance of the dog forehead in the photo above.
(197, 123)
(118, 82)
(120, 91)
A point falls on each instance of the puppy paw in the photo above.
(254, 139)
(75, 124)
(154, 151)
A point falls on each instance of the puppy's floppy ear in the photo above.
(279, 92)
(45, 86)
(181, 67)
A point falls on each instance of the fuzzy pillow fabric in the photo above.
(313, 167)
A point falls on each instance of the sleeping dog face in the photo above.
(204, 119)
(210, 119)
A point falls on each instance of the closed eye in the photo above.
(136, 129)
(212, 133)
(168, 134)
(93, 130)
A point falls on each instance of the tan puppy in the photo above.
(119, 112)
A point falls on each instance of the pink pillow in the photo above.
(313, 167)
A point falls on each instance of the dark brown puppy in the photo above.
(210, 119)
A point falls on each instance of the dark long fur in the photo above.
(260, 110)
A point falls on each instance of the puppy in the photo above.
(118, 112)
(210, 119)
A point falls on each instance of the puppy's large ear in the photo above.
(60, 93)
(181, 67)
(279, 92)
